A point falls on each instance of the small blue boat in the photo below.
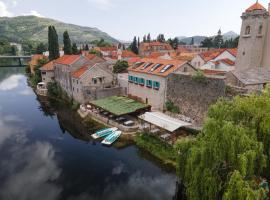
(109, 140)
(104, 133)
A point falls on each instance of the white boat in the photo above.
(104, 133)
(109, 140)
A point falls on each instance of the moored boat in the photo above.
(109, 140)
(104, 133)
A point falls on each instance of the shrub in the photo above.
(199, 77)
(120, 66)
(171, 107)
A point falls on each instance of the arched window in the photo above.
(260, 30)
(247, 31)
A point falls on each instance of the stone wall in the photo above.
(193, 96)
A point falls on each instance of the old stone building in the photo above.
(64, 66)
(253, 60)
(146, 48)
(47, 72)
(91, 82)
(148, 79)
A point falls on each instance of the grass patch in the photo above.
(158, 148)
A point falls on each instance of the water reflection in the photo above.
(29, 173)
(46, 154)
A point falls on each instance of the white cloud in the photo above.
(4, 10)
(14, 3)
(32, 177)
(34, 13)
(11, 83)
(102, 4)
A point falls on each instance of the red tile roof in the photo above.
(227, 61)
(155, 55)
(48, 66)
(213, 72)
(145, 46)
(140, 69)
(128, 54)
(233, 51)
(256, 6)
(107, 48)
(79, 72)
(212, 54)
(67, 59)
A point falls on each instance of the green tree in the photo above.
(86, 47)
(239, 189)
(148, 37)
(235, 139)
(67, 44)
(173, 42)
(53, 43)
(41, 48)
(207, 43)
(120, 66)
(96, 52)
(218, 40)
(75, 50)
(161, 38)
(134, 46)
(192, 41)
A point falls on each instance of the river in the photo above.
(45, 155)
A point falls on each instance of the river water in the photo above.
(45, 155)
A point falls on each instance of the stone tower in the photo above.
(254, 41)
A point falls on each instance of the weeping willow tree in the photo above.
(231, 153)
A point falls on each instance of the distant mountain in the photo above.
(187, 40)
(229, 35)
(198, 39)
(34, 28)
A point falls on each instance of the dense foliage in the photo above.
(219, 42)
(120, 66)
(231, 155)
(96, 52)
(67, 44)
(134, 47)
(6, 48)
(53, 43)
(101, 43)
(171, 107)
(36, 77)
(158, 148)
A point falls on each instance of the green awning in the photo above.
(119, 105)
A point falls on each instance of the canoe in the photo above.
(109, 140)
(103, 133)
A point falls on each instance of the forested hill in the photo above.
(33, 28)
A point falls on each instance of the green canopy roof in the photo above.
(119, 105)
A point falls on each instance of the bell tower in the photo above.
(251, 47)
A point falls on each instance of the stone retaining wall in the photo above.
(194, 96)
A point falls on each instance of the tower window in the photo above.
(260, 30)
(247, 31)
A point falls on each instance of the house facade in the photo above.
(91, 82)
(146, 48)
(64, 66)
(148, 79)
(218, 59)
(47, 72)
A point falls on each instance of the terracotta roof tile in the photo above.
(227, 61)
(233, 51)
(212, 54)
(213, 72)
(256, 6)
(79, 72)
(176, 64)
(48, 66)
(67, 59)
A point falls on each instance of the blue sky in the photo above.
(123, 19)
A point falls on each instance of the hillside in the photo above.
(34, 28)
(198, 39)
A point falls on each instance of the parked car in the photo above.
(129, 123)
